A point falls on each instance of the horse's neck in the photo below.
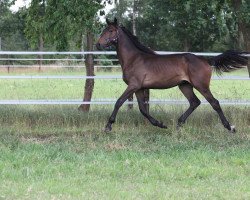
(126, 50)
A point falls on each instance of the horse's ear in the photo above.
(115, 21)
(108, 22)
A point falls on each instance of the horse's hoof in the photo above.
(233, 130)
(108, 128)
(161, 125)
(178, 127)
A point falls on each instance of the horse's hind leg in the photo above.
(187, 89)
(143, 108)
(216, 106)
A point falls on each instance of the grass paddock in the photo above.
(57, 152)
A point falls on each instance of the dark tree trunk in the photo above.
(135, 10)
(186, 45)
(89, 84)
(243, 31)
(246, 38)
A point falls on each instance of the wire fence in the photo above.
(17, 58)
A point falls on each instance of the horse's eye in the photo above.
(110, 30)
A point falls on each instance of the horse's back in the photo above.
(164, 71)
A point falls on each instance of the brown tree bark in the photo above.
(89, 84)
(186, 45)
(246, 36)
(243, 31)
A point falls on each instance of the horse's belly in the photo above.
(159, 85)
(163, 82)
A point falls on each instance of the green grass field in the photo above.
(112, 89)
(57, 152)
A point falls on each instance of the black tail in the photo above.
(229, 61)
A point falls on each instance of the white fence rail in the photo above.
(99, 53)
(102, 77)
(94, 101)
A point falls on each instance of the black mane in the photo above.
(136, 42)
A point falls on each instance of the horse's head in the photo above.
(109, 35)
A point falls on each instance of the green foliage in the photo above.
(61, 22)
(163, 25)
(70, 19)
(12, 27)
(35, 22)
(244, 11)
(6, 19)
(186, 25)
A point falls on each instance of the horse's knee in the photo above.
(195, 103)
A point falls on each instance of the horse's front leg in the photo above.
(126, 94)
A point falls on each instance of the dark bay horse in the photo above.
(143, 69)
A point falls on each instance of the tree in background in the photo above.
(5, 18)
(60, 22)
(182, 25)
(241, 10)
(187, 25)
(12, 28)
(75, 19)
(35, 26)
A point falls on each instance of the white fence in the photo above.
(94, 101)
(98, 53)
